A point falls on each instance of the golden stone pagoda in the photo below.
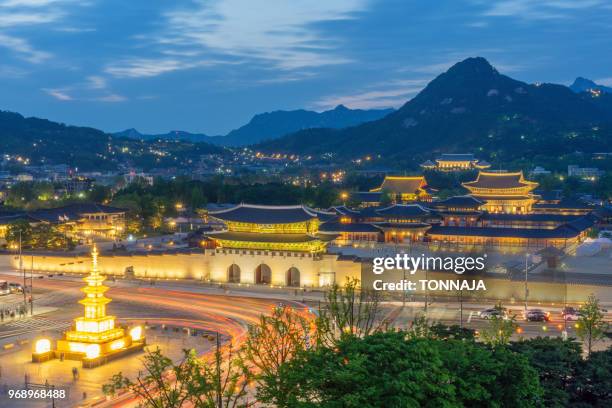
(94, 339)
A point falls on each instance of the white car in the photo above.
(489, 313)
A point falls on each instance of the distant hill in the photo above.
(172, 135)
(271, 125)
(471, 107)
(584, 85)
(45, 142)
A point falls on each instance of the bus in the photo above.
(4, 288)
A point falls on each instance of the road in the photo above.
(228, 315)
(185, 304)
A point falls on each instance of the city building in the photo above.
(79, 219)
(94, 339)
(585, 173)
(503, 192)
(455, 162)
(78, 184)
(539, 171)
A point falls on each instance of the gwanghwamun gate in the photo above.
(300, 247)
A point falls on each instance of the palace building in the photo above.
(274, 245)
(455, 162)
(404, 189)
(79, 219)
(501, 210)
(273, 228)
(503, 192)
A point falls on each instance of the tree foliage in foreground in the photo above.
(393, 369)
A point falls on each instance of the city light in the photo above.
(136, 333)
(92, 351)
(42, 346)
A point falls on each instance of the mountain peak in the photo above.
(582, 84)
(341, 107)
(473, 65)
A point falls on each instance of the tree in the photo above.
(380, 370)
(17, 230)
(165, 384)
(593, 382)
(591, 325)
(556, 361)
(395, 369)
(348, 310)
(499, 328)
(274, 341)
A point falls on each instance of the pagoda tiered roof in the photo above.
(500, 181)
(266, 214)
(403, 210)
(464, 201)
(456, 157)
(402, 184)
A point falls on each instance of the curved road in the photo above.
(227, 314)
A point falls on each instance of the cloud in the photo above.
(537, 10)
(27, 3)
(96, 82)
(110, 98)
(12, 19)
(383, 95)
(20, 14)
(287, 36)
(58, 94)
(604, 81)
(147, 67)
(23, 48)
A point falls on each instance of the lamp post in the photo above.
(22, 269)
(526, 288)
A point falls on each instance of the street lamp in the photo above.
(526, 288)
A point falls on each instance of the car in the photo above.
(537, 315)
(493, 312)
(570, 314)
(15, 287)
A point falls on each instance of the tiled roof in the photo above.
(530, 217)
(559, 232)
(456, 157)
(566, 204)
(263, 214)
(73, 212)
(366, 196)
(403, 211)
(344, 210)
(499, 181)
(256, 237)
(9, 218)
(350, 227)
(458, 202)
(402, 184)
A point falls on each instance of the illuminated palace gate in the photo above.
(263, 275)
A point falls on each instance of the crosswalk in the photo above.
(31, 324)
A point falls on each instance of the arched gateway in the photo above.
(292, 277)
(263, 275)
(233, 274)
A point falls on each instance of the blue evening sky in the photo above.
(209, 65)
